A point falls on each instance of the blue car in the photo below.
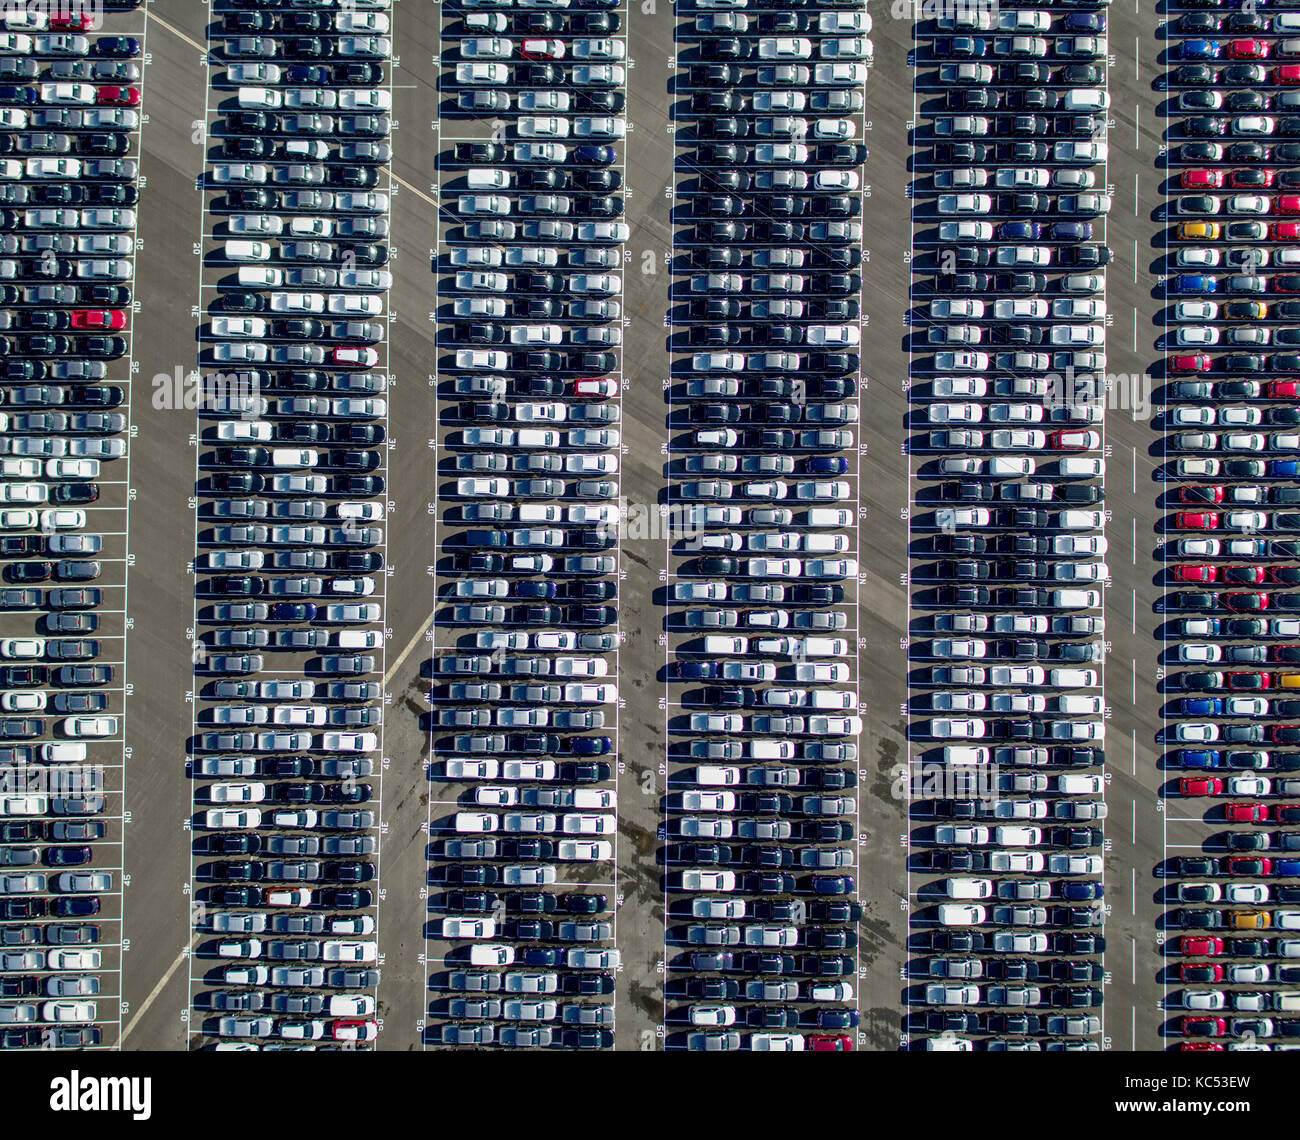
(1200, 49)
(1201, 706)
(1080, 891)
(826, 465)
(1198, 758)
(115, 47)
(1071, 231)
(594, 155)
(1193, 283)
(1286, 867)
(1020, 231)
(835, 1019)
(1093, 22)
(1284, 468)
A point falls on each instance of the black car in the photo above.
(713, 75)
(478, 152)
(724, 49)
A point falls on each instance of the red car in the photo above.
(98, 319)
(837, 1044)
(1190, 493)
(596, 387)
(1205, 1026)
(358, 357)
(118, 96)
(1250, 179)
(1200, 786)
(1248, 865)
(1196, 573)
(1286, 204)
(81, 22)
(1200, 946)
(542, 49)
(1196, 520)
(1191, 362)
(1246, 812)
(1200, 972)
(1247, 49)
(1286, 74)
(1074, 440)
(1244, 602)
(1200, 1047)
(1251, 680)
(1286, 813)
(1284, 231)
(1201, 179)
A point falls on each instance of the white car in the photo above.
(65, 93)
(784, 48)
(93, 726)
(959, 728)
(486, 47)
(22, 648)
(349, 951)
(460, 926)
(839, 74)
(598, 75)
(965, 204)
(236, 818)
(68, 1011)
(542, 127)
(592, 49)
(845, 47)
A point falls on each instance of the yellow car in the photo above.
(1249, 920)
(1199, 231)
(1287, 680)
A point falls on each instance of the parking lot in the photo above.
(174, 294)
(273, 508)
(485, 650)
(68, 373)
(969, 781)
(1226, 895)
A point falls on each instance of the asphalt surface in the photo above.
(161, 594)
(1136, 825)
(158, 794)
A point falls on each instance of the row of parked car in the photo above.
(760, 834)
(291, 509)
(1230, 402)
(1006, 527)
(522, 693)
(69, 93)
